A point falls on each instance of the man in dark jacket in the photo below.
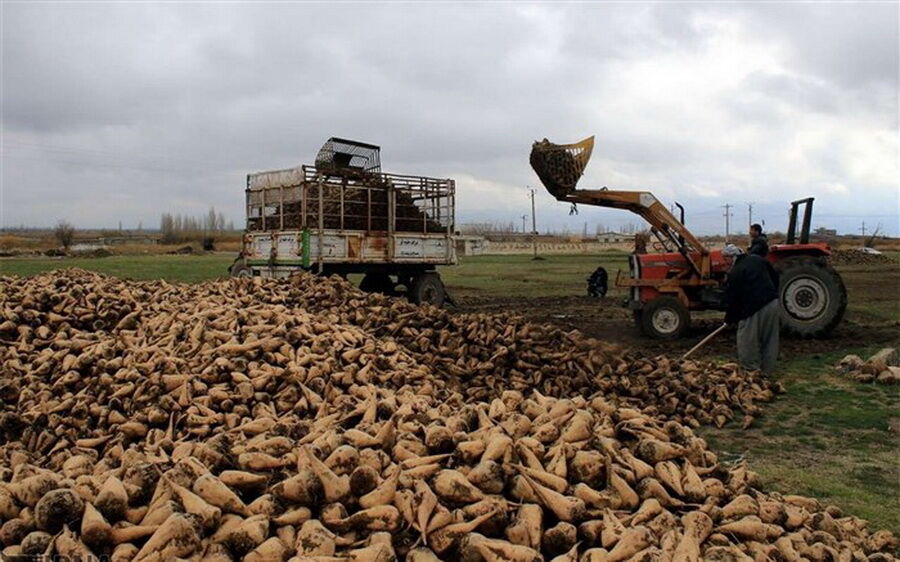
(759, 243)
(751, 295)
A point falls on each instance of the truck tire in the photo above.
(377, 283)
(812, 294)
(240, 269)
(427, 288)
(664, 318)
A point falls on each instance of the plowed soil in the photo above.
(607, 319)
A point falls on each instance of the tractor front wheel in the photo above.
(813, 296)
(664, 318)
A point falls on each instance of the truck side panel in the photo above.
(265, 249)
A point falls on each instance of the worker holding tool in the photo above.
(759, 242)
(751, 295)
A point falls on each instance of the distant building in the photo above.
(468, 245)
(613, 237)
(126, 240)
(822, 231)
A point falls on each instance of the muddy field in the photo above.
(608, 320)
(872, 318)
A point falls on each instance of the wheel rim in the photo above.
(665, 321)
(429, 294)
(244, 272)
(805, 298)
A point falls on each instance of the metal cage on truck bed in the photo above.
(346, 221)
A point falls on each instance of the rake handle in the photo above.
(704, 341)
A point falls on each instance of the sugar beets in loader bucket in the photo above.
(560, 166)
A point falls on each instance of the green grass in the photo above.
(827, 437)
(873, 297)
(521, 276)
(171, 268)
(555, 275)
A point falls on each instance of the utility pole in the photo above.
(749, 214)
(728, 215)
(863, 228)
(533, 226)
(523, 223)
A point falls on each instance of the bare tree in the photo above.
(167, 227)
(209, 224)
(64, 233)
(870, 241)
(184, 228)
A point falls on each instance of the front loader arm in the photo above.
(641, 203)
(560, 166)
(646, 205)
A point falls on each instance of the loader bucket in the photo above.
(560, 166)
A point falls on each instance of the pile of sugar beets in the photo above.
(249, 420)
(852, 256)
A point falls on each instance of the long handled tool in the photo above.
(704, 341)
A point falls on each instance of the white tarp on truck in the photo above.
(275, 179)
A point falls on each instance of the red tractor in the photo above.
(684, 275)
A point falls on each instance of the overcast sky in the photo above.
(119, 112)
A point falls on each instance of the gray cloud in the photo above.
(853, 45)
(123, 111)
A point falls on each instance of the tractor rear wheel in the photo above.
(813, 296)
(664, 318)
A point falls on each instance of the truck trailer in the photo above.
(343, 215)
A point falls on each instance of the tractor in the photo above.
(684, 275)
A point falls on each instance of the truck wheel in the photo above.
(664, 318)
(427, 288)
(240, 269)
(813, 296)
(377, 283)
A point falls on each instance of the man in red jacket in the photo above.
(751, 295)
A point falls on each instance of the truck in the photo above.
(343, 215)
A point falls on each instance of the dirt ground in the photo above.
(871, 319)
(606, 319)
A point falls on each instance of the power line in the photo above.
(533, 225)
(863, 228)
(728, 216)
